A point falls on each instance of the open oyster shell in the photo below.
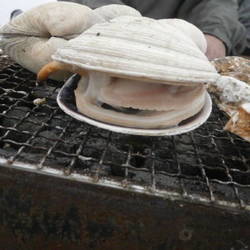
(147, 66)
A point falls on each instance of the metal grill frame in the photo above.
(125, 183)
(171, 196)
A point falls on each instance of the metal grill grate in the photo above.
(208, 166)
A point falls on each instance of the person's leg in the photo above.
(244, 17)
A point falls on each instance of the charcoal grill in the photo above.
(65, 184)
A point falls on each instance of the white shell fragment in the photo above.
(232, 90)
(39, 101)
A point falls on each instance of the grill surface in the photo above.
(208, 166)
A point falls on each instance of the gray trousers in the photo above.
(244, 17)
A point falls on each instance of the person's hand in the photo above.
(215, 47)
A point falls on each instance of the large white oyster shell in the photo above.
(60, 19)
(32, 37)
(139, 47)
(124, 61)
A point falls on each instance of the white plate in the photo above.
(66, 101)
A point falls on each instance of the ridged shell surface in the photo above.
(139, 47)
(189, 29)
(60, 19)
(32, 37)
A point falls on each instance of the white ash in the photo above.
(232, 90)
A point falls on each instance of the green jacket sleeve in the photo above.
(217, 18)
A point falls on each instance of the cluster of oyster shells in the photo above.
(232, 92)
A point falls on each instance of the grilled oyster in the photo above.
(136, 72)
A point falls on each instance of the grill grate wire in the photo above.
(208, 165)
